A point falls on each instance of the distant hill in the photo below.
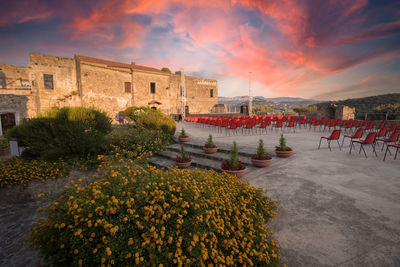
(279, 103)
(366, 104)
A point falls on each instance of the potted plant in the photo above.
(234, 165)
(282, 150)
(210, 147)
(183, 137)
(261, 159)
(183, 160)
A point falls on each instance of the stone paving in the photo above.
(335, 209)
(18, 214)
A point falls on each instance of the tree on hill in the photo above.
(265, 109)
(305, 109)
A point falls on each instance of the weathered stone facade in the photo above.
(334, 111)
(50, 81)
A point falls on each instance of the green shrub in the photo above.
(3, 143)
(131, 142)
(66, 132)
(156, 120)
(165, 69)
(261, 150)
(141, 216)
(133, 113)
(282, 142)
(234, 155)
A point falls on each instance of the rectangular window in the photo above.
(153, 88)
(128, 87)
(48, 81)
(25, 83)
(211, 92)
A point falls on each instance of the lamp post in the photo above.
(250, 98)
(183, 94)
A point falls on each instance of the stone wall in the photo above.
(90, 82)
(198, 95)
(104, 88)
(345, 112)
(64, 80)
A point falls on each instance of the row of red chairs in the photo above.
(372, 138)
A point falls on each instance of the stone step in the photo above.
(222, 148)
(199, 152)
(162, 162)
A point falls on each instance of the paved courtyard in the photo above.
(335, 209)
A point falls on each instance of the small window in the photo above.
(211, 92)
(153, 88)
(48, 81)
(128, 87)
(25, 83)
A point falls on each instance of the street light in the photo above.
(250, 98)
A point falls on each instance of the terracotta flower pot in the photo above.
(238, 173)
(183, 139)
(261, 163)
(284, 154)
(210, 150)
(183, 165)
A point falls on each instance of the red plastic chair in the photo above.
(369, 140)
(291, 125)
(382, 132)
(278, 124)
(397, 146)
(393, 138)
(357, 135)
(335, 135)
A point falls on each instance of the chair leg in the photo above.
(351, 146)
(387, 148)
(339, 144)
(329, 145)
(320, 142)
(364, 151)
(373, 147)
(395, 156)
(343, 140)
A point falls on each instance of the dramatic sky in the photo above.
(320, 49)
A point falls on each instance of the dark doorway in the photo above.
(7, 121)
(153, 108)
(186, 110)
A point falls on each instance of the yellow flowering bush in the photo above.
(139, 215)
(21, 172)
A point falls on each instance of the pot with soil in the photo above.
(183, 137)
(261, 159)
(282, 150)
(234, 165)
(210, 147)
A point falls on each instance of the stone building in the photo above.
(336, 111)
(53, 82)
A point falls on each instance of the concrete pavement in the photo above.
(335, 209)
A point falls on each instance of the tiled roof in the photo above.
(118, 64)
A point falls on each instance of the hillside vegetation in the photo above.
(369, 104)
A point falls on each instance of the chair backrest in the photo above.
(335, 135)
(394, 136)
(382, 132)
(291, 123)
(370, 139)
(358, 133)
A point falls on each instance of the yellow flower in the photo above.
(108, 251)
(76, 251)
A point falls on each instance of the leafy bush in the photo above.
(282, 144)
(131, 142)
(66, 132)
(210, 142)
(21, 172)
(156, 120)
(183, 132)
(183, 157)
(3, 143)
(133, 113)
(165, 69)
(147, 217)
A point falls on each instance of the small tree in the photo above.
(261, 150)
(165, 69)
(183, 152)
(282, 142)
(234, 155)
(210, 141)
(183, 132)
